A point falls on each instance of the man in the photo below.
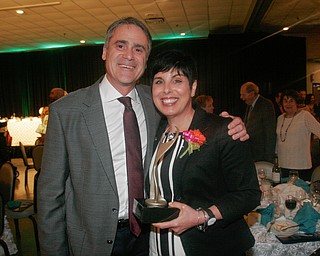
(206, 103)
(83, 196)
(260, 122)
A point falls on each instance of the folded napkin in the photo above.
(300, 183)
(307, 217)
(266, 214)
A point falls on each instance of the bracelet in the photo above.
(202, 227)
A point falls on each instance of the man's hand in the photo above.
(236, 128)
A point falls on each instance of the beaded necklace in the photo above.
(283, 139)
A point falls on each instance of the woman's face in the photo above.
(289, 105)
(172, 94)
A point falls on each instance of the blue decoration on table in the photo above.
(307, 217)
(299, 183)
(266, 214)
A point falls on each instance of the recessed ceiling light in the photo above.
(182, 34)
(19, 11)
(82, 41)
(285, 28)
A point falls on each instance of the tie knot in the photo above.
(126, 101)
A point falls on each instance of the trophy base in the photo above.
(149, 215)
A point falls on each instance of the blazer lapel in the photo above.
(94, 117)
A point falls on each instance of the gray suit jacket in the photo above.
(77, 193)
(261, 126)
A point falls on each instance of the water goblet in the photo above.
(291, 204)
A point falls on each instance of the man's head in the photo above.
(303, 95)
(206, 103)
(55, 94)
(249, 92)
(126, 51)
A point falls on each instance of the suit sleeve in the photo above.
(51, 190)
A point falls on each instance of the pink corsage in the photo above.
(195, 140)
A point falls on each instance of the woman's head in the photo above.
(173, 85)
(289, 100)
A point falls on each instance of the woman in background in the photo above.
(207, 175)
(294, 129)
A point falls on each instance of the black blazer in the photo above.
(221, 173)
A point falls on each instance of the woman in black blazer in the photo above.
(207, 175)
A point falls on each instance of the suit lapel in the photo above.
(94, 117)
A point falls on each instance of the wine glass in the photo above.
(261, 175)
(291, 204)
(293, 176)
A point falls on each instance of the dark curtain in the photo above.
(225, 62)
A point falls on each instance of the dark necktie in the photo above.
(134, 160)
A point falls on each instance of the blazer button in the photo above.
(114, 210)
(109, 241)
(177, 198)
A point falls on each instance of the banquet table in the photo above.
(8, 238)
(24, 130)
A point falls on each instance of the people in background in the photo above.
(212, 197)
(5, 143)
(55, 94)
(294, 129)
(260, 122)
(302, 98)
(206, 103)
(83, 201)
(278, 109)
(311, 105)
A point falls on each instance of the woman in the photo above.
(294, 129)
(211, 177)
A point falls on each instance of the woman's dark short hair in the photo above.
(174, 59)
(292, 94)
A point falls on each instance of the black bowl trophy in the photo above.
(155, 209)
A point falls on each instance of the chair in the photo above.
(26, 209)
(315, 174)
(37, 157)
(3, 244)
(26, 163)
(267, 166)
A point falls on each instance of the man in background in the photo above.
(260, 122)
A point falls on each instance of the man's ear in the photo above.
(104, 53)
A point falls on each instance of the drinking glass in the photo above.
(293, 176)
(290, 204)
(315, 193)
(261, 175)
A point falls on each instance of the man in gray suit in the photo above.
(260, 122)
(82, 191)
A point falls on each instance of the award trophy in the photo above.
(155, 208)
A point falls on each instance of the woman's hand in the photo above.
(188, 218)
(236, 127)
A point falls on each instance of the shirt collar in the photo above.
(109, 93)
(254, 102)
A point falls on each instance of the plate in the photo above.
(276, 228)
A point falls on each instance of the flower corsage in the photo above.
(195, 140)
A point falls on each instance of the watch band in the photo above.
(210, 213)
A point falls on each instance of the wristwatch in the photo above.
(212, 219)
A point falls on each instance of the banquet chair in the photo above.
(27, 164)
(267, 166)
(24, 209)
(315, 174)
(3, 244)
(37, 152)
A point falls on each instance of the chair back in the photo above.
(266, 166)
(7, 181)
(1, 215)
(24, 154)
(37, 157)
(315, 174)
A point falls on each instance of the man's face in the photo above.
(126, 57)
(303, 95)
(247, 97)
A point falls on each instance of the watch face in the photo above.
(211, 221)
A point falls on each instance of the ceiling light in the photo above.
(19, 11)
(285, 28)
(82, 41)
(182, 34)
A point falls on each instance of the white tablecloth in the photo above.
(8, 238)
(268, 245)
(24, 130)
